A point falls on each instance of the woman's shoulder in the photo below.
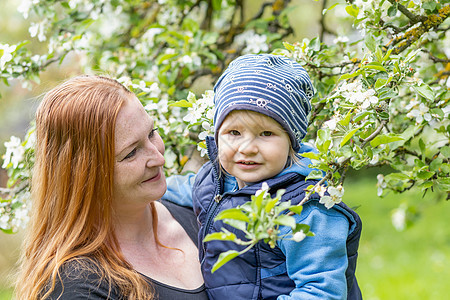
(81, 278)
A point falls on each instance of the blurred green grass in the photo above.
(5, 294)
(412, 264)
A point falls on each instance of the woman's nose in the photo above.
(154, 154)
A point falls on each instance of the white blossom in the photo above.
(381, 184)
(420, 113)
(375, 159)
(170, 158)
(335, 196)
(398, 218)
(203, 151)
(4, 221)
(25, 6)
(320, 189)
(254, 42)
(341, 39)
(299, 236)
(21, 217)
(38, 29)
(264, 189)
(14, 152)
(331, 123)
(7, 54)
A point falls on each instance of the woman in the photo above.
(97, 229)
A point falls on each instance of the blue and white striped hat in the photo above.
(272, 85)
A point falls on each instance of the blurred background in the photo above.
(413, 263)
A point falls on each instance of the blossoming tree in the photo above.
(380, 69)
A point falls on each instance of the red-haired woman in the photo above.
(98, 229)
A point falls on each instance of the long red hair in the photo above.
(72, 189)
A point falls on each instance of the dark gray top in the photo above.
(78, 282)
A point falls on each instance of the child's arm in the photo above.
(179, 189)
(317, 264)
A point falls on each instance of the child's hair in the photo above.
(272, 85)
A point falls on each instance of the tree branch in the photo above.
(412, 35)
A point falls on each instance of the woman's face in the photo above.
(139, 160)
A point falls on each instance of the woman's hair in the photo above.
(72, 190)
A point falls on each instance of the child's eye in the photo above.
(152, 133)
(234, 132)
(130, 155)
(266, 133)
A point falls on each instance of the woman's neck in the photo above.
(134, 225)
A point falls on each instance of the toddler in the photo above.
(262, 105)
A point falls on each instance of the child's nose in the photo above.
(248, 146)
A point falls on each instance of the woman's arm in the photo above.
(317, 264)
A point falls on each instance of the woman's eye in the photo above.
(266, 133)
(234, 132)
(131, 154)
(152, 133)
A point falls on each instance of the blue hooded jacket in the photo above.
(319, 267)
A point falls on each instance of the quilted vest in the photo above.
(244, 276)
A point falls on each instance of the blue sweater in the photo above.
(319, 267)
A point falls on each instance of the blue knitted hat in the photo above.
(272, 85)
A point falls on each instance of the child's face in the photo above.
(252, 146)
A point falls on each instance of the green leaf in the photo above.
(392, 10)
(352, 10)
(429, 5)
(232, 213)
(310, 155)
(422, 146)
(344, 122)
(324, 11)
(385, 139)
(181, 103)
(425, 91)
(271, 205)
(435, 165)
(374, 66)
(7, 231)
(314, 44)
(297, 209)
(386, 56)
(426, 185)
(370, 42)
(361, 116)
(315, 174)
(445, 151)
(348, 136)
(425, 174)
(224, 258)
(166, 57)
(241, 225)
(288, 46)
(304, 227)
(285, 221)
(347, 76)
(257, 202)
(223, 236)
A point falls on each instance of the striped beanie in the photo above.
(272, 85)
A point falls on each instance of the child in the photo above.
(262, 103)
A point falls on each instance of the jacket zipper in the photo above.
(213, 208)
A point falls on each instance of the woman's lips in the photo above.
(154, 178)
